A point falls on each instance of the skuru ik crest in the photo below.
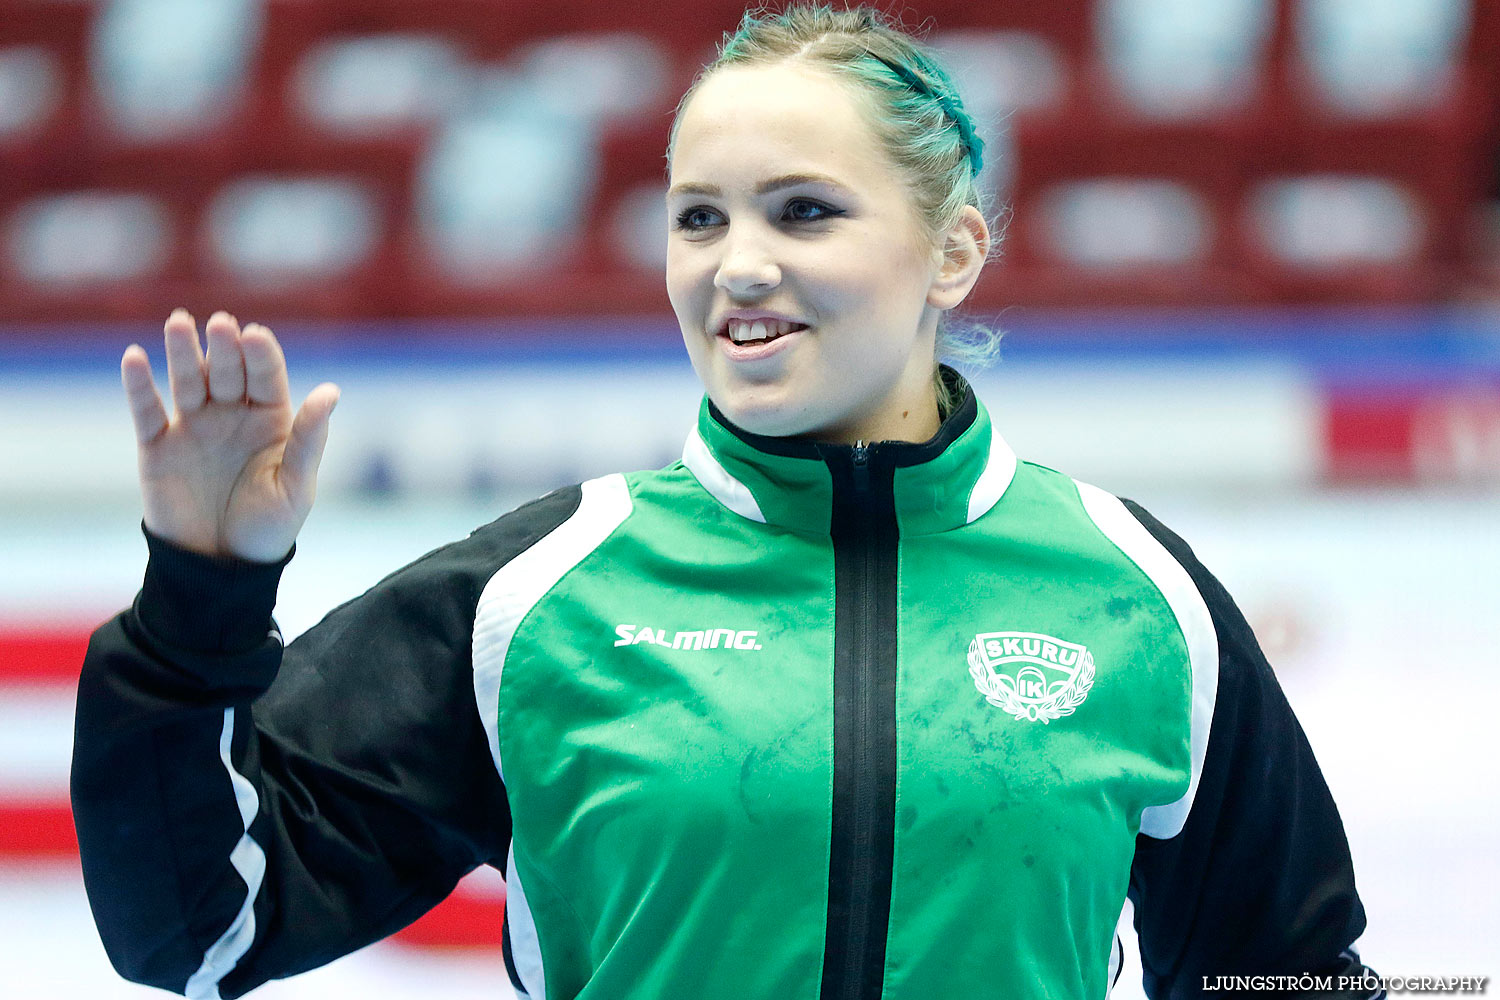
(1034, 677)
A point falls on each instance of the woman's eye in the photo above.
(803, 210)
(693, 219)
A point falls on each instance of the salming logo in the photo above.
(709, 638)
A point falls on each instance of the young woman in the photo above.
(848, 703)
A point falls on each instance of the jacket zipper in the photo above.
(858, 973)
(864, 801)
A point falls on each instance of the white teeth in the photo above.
(740, 330)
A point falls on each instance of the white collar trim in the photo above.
(728, 490)
(994, 480)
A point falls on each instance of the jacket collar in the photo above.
(943, 483)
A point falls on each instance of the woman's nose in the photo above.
(747, 267)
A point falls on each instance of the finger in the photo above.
(226, 362)
(304, 447)
(146, 410)
(265, 367)
(185, 362)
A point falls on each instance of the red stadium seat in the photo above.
(165, 70)
(1179, 60)
(111, 248)
(1400, 140)
(1164, 233)
(633, 173)
(366, 85)
(55, 36)
(1380, 58)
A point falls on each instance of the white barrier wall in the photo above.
(443, 429)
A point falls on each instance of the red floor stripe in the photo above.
(37, 831)
(43, 832)
(42, 654)
(460, 921)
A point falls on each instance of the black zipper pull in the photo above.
(861, 466)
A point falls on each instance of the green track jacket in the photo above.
(782, 720)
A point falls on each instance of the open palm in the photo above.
(233, 470)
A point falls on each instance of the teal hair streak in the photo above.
(942, 93)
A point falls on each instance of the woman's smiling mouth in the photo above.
(754, 339)
(751, 331)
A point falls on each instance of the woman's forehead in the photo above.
(781, 109)
(735, 89)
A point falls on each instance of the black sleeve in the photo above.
(245, 813)
(1259, 882)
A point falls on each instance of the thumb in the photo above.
(304, 446)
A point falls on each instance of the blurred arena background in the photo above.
(1250, 278)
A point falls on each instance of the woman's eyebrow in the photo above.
(765, 187)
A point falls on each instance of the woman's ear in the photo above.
(966, 246)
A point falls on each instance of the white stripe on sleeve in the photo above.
(249, 859)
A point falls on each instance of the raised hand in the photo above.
(232, 471)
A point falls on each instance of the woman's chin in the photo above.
(764, 410)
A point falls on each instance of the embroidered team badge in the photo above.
(1034, 677)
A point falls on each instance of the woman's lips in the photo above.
(756, 350)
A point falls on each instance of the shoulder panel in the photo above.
(1117, 524)
(518, 585)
